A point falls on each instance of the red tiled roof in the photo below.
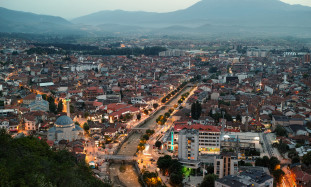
(197, 127)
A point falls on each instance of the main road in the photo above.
(130, 146)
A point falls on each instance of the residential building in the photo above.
(188, 144)
(225, 164)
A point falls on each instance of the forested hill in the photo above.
(29, 161)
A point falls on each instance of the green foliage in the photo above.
(72, 109)
(282, 147)
(158, 144)
(44, 97)
(149, 131)
(155, 105)
(209, 180)
(306, 159)
(176, 178)
(266, 162)
(146, 137)
(138, 116)
(164, 162)
(196, 110)
(146, 112)
(280, 131)
(242, 163)
(29, 161)
(52, 105)
(151, 179)
(86, 126)
(60, 106)
(278, 174)
(252, 152)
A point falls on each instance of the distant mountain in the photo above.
(218, 14)
(24, 22)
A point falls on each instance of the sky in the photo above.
(70, 9)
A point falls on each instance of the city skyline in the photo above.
(69, 11)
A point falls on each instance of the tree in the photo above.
(44, 97)
(306, 159)
(278, 174)
(155, 105)
(138, 116)
(151, 178)
(146, 137)
(164, 162)
(149, 132)
(141, 147)
(158, 144)
(86, 126)
(280, 131)
(60, 106)
(27, 169)
(146, 112)
(167, 114)
(273, 162)
(72, 109)
(196, 110)
(295, 159)
(175, 166)
(52, 107)
(209, 180)
(176, 178)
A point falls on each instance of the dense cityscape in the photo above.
(95, 105)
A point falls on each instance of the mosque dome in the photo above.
(64, 121)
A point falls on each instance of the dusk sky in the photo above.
(74, 8)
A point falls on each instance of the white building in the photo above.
(39, 104)
(65, 129)
(188, 144)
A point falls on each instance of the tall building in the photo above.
(307, 58)
(188, 144)
(225, 164)
(188, 148)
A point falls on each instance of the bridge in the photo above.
(117, 157)
(139, 129)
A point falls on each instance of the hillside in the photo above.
(29, 161)
(24, 22)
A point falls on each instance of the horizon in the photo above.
(54, 8)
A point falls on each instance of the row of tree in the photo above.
(183, 97)
(163, 118)
(168, 96)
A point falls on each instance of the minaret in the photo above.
(68, 105)
(189, 63)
